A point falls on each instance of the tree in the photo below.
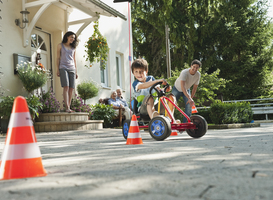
(149, 33)
(233, 36)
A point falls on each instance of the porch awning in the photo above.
(94, 8)
(91, 7)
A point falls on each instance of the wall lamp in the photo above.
(24, 19)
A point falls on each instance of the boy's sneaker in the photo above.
(155, 113)
(168, 118)
(177, 121)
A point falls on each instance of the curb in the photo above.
(230, 126)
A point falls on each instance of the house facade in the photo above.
(36, 33)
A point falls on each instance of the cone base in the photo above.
(134, 141)
(174, 133)
(22, 168)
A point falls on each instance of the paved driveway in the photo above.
(230, 164)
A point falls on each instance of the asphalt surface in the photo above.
(226, 164)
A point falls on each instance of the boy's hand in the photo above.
(169, 89)
(164, 81)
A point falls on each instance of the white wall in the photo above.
(11, 41)
(116, 31)
(52, 21)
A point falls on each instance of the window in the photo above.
(104, 75)
(118, 70)
(38, 42)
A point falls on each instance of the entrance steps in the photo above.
(63, 121)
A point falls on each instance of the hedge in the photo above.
(229, 113)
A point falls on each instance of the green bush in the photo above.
(6, 106)
(228, 113)
(87, 90)
(103, 112)
(33, 103)
(205, 113)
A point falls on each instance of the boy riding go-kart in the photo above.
(160, 127)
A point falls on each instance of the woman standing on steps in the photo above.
(66, 66)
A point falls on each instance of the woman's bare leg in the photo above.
(65, 96)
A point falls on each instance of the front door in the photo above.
(40, 44)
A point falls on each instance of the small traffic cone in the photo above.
(193, 109)
(134, 136)
(174, 133)
(21, 157)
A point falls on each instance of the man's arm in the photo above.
(193, 90)
(190, 100)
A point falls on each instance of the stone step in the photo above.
(62, 116)
(68, 125)
(62, 121)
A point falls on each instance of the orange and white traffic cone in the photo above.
(174, 133)
(194, 110)
(21, 157)
(134, 136)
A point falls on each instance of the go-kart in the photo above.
(160, 127)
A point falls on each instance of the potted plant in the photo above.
(87, 90)
(32, 76)
(97, 47)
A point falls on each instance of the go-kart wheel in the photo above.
(125, 128)
(160, 128)
(201, 125)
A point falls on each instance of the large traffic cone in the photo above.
(193, 109)
(21, 157)
(134, 136)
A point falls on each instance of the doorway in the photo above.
(41, 48)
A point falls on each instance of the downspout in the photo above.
(130, 57)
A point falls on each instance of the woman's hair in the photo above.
(74, 43)
(112, 93)
(120, 92)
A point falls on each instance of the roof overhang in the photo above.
(92, 7)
